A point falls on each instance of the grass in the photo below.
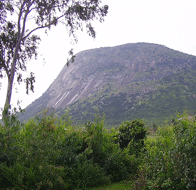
(124, 185)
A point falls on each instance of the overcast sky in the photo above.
(167, 22)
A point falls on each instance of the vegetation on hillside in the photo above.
(51, 153)
(141, 80)
(154, 101)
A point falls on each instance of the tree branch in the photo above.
(41, 27)
(19, 18)
(24, 20)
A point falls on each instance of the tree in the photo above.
(4, 6)
(18, 44)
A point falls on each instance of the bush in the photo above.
(47, 153)
(34, 166)
(132, 135)
(85, 174)
(91, 151)
(119, 165)
(9, 149)
(171, 158)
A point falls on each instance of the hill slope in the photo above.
(141, 80)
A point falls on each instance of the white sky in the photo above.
(168, 22)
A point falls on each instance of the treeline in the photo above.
(51, 153)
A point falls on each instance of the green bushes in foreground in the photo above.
(170, 161)
(48, 153)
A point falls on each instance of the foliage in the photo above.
(132, 135)
(33, 167)
(9, 149)
(92, 151)
(48, 153)
(170, 159)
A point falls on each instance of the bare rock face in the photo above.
(137, 72)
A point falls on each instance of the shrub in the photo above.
(9, 149)
(85, 174)
(170, 159)
(34, 166)
(47, 153)
(82, 151)
(90, 157)
(119, 165)
(132, 135)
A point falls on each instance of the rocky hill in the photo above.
(141, 80)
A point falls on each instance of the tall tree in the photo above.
(18, 43)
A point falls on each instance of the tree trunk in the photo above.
(15, 57)
(11, 78)
(9, 91)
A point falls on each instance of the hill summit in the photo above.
(136, 80)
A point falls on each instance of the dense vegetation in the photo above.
(51, 153)
(48, 153)
(170, 161)
(171, 95)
